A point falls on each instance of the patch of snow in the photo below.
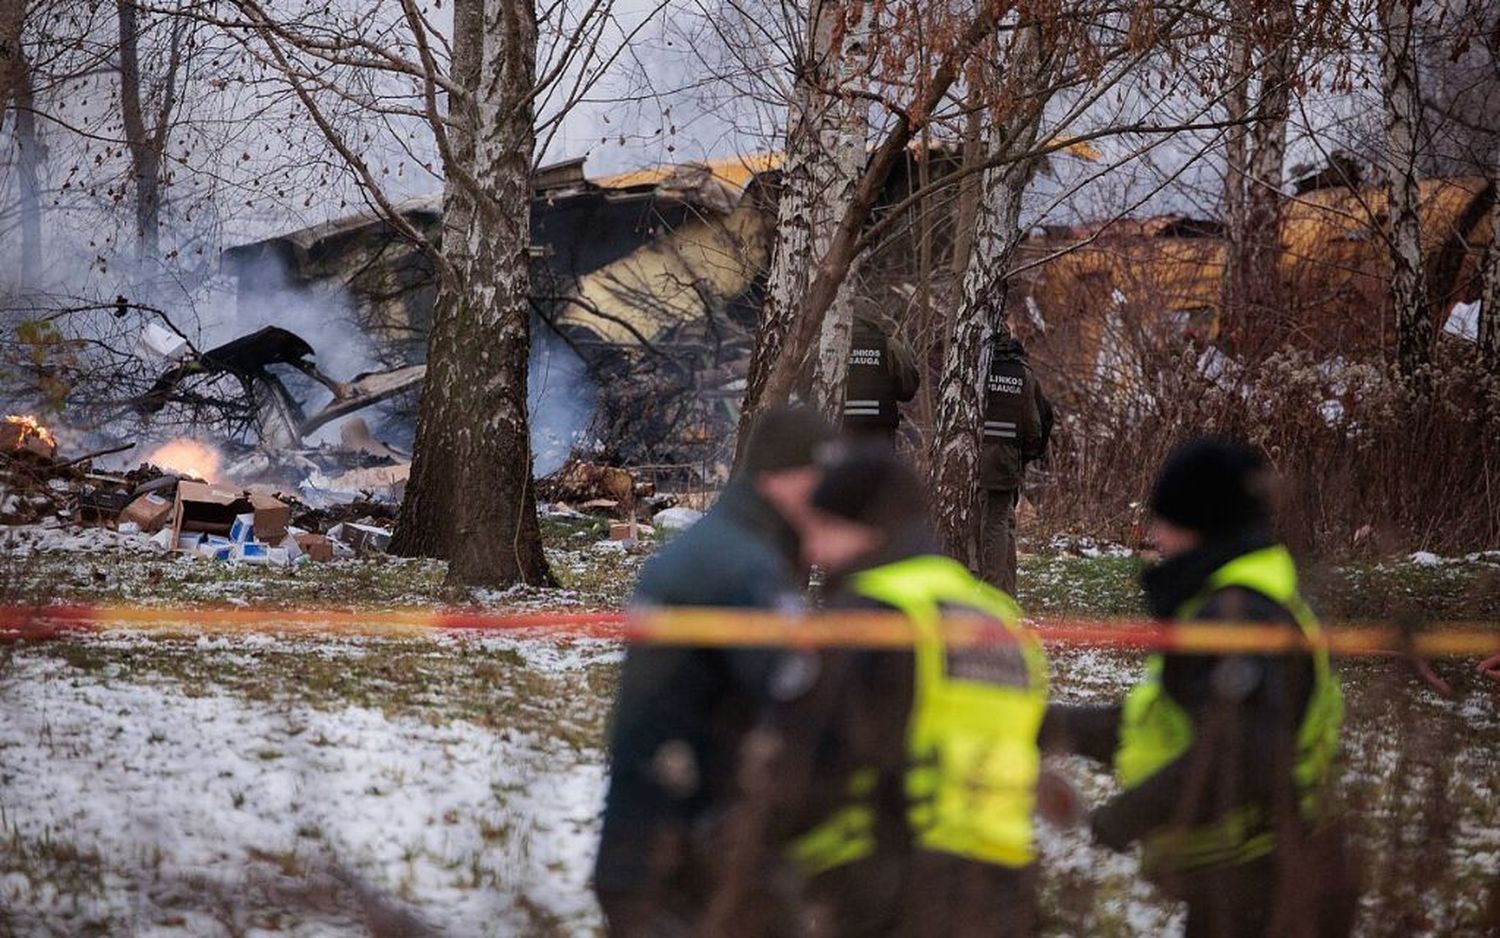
(1424, 558)
(463, 827)
(26, 540)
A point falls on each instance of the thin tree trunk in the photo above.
(841, 135)
(1261, 294)
(497, 538)
(12, 58)
(145, 158)
(29, 158)
(1403, 115)
(971, 188)
(424, 527)
(1489, 298)
(1236, 171)
(981, 316)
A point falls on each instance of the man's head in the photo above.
(781, 458)
(1208, 488)
(866, 499)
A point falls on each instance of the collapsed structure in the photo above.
(652, 281)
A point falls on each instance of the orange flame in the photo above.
(29, 426)
(187, 457)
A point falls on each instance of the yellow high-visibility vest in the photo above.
(972, 735)
(1155, 730)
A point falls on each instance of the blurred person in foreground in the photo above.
(896, 786)
(1224, 759)
(681, 712)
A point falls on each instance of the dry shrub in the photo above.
(1367, 461)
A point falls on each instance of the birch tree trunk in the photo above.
(981, 316)
(423, 528)
(1236, 166)
(1489, 297)
(497, 540)
(1402, 124)
(1262, 292)
(842, 130)
(797, 212)
(471, 495)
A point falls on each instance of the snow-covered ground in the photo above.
(139, 806)
(259, 785)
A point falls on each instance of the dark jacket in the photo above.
(1017, 418)
(1245, 710)
(694, 704)
(881, 375)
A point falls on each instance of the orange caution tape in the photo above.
(741, 627)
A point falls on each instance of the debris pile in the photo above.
(581, 489)
(173, 507)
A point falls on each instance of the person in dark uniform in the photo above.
(681, 712)
(1017, 426)
(882, 375)
(1224, 759)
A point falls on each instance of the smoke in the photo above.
(561, 400)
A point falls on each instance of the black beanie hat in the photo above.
(787, 437)
(1214, 486)
(868, 484)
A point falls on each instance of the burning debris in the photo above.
(26, 435)
(177, 499)
(188, 458)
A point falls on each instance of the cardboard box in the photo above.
(251, 552)
(151, 511)
(315, 546)
(206, 508)
(215, 551)
(271, 517)
(242, 529)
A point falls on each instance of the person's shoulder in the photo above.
(1241, 604)
(715, 562)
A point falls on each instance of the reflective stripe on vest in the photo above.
(1155, 730)
(972, 748)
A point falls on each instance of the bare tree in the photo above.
(1398, 70)
(497, 538)
(16, 96)
(1489, 294)
(841, 135)
(1262, 50)
(981, 314)
(147, 143)
(423, 528)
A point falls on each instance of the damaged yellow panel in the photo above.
(737, 171)
(683, 275)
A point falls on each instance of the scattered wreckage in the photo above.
(256, 524)
(173, 510)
